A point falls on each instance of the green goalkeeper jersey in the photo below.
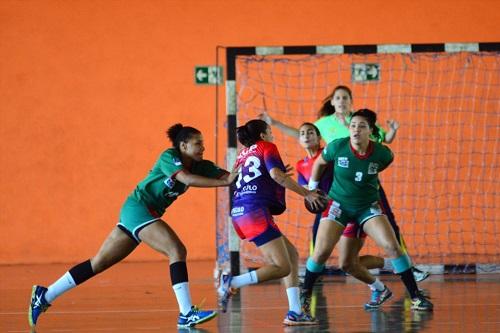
(355, 177)
(160, 187)
(331, 129)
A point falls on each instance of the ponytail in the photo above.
(326, 107)
(249, 133)
(178, 133)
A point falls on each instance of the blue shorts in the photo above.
(255, 224)
(134, 216)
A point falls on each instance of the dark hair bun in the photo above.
(173, 131)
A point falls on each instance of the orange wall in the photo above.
(87, 89)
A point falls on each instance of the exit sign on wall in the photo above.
(365, 72)
(208, 74)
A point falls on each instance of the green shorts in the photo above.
(344, 214)
(134, 216)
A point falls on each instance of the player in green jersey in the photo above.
(352, 238)
(333, 120)
(354, 194)
(176, 169)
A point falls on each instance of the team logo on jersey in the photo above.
(237, 211)
(169, 182)
(343, 162)
(372, 168)
(335, 210)
(247, 151)
(177, 161)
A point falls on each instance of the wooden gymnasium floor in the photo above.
(137, 297)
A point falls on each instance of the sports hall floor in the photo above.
(137, 297)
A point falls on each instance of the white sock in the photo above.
(183, 296)
(244, 279)
(293, 294)
(388, 265)
(377, 285)
(59, 287)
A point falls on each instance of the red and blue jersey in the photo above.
(254, 186)
(304, 171)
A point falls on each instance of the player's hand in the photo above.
(266, 117)
(233, 175)
(315, 198)
(393, 124)
(288, 170)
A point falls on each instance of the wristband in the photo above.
(313, 184)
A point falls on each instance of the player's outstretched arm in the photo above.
(288, 130)
(200, 181)
(393, 129)
(284, 180)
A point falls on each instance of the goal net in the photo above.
(443, 185)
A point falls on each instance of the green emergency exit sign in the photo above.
(365, 72)
(208, 74)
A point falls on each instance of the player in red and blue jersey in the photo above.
(259, 194)
(310, 140)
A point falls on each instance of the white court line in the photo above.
(441, 305)
(157, 328)
(92, 311)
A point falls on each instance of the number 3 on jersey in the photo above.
(359, 176)
(253, 164)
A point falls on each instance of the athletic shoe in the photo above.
(305, 300)
(38, 304)
(294, 319)
(378, 298)
(224, 291)
(424, 292)
(419, 275)
(194, 317)
(421, 303)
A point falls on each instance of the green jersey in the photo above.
(355, 177)
(331, 128)
(160, 187)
